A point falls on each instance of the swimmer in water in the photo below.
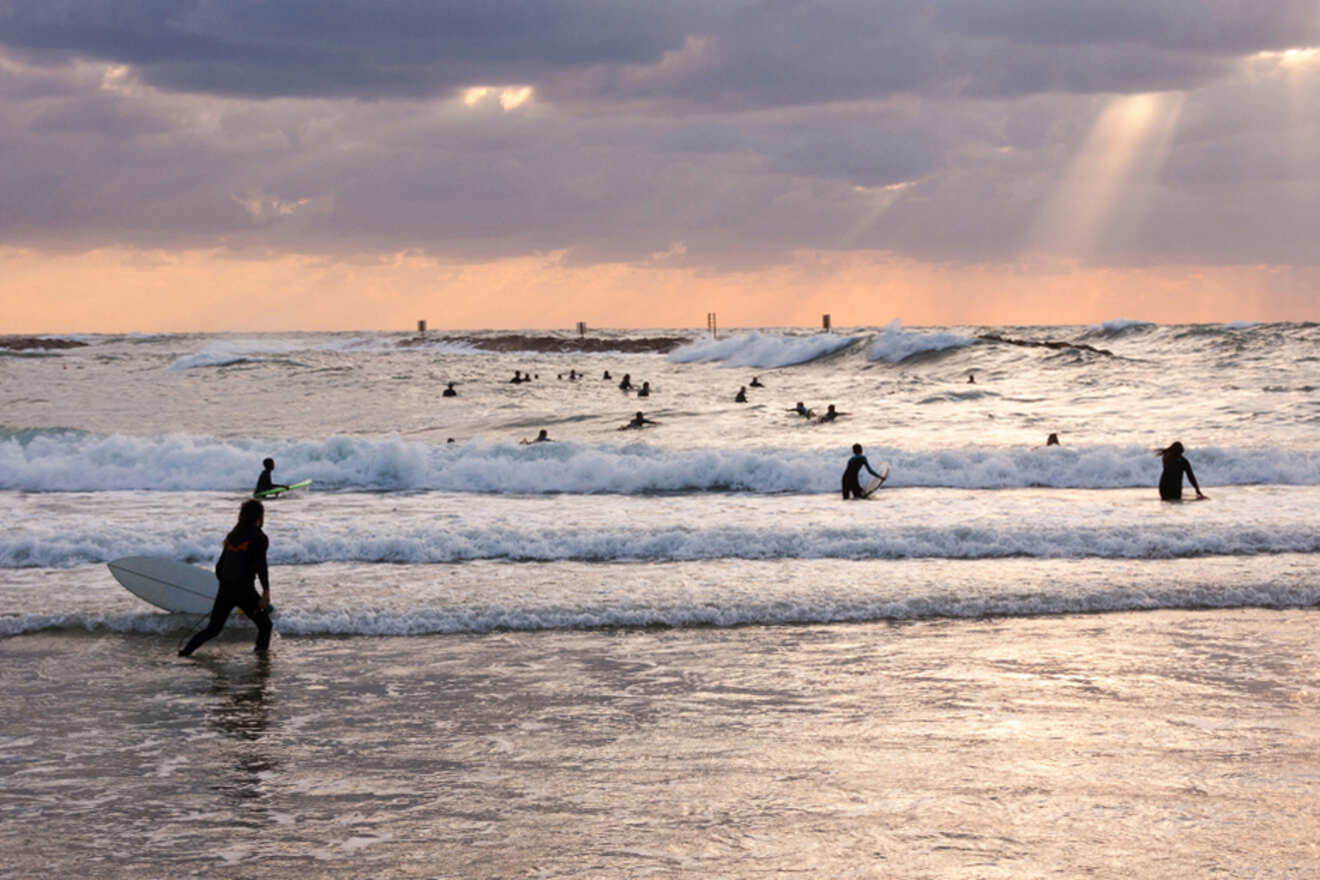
(831, 414)
(638, 421)
(645, 390)
(802, 410)
(449, 391)
(741, 396)
(543, 437)
(1174, 468)
(1052, 440)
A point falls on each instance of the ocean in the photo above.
(673, 651)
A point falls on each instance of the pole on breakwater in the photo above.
(825, 323)
(710, 324)
(582, 328)
(421, 326)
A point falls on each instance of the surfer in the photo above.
(638, 421)
(607, 377)
(741, 396)
(645, 390)
(1174, 468)
(851, 487)
(518, 378)
(543, 437)
(831, 414)
(264, 483)
(449, 391)
(802, 410)
(241, 562)
(625, 384)
(755, 383)
(971, 378)
(1052, 440)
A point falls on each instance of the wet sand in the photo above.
(1115, 745)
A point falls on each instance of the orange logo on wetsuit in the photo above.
(240, 548)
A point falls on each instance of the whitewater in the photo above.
(145, 444)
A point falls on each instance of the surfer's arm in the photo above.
(1191, 478)
(259, 565)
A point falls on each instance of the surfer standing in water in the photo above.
(851, 486)
(264, 483)
(241, 562)
(1174, 468)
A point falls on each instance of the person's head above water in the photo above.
(857, 449)
(268, 464)
(1052, 440)
(544, 435)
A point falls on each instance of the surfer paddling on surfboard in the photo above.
(1174, 468)
(264, 483)
(241, 562)
(638, 421)
(851, 487)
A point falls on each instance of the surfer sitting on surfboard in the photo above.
(264, 483)
(851, 487)
(241, 562)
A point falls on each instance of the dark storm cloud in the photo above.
(742, 130)
(360, 48)
(716, 53)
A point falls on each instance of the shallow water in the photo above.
(1112, 745)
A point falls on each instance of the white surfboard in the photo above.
(876, 482)
(174, 586)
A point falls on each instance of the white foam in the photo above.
(761, 350)
(226, 352)
(591, 611)
(1123, 325)
(38, 460)
(895, 344)
(414, 540)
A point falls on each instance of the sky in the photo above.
(246, 165)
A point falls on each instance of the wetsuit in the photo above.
(264, 484)
(851, 487)
(1171, 478)
(242, 561)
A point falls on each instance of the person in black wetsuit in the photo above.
(638, 421)
(1174, 468)
(264, 483)
(851, 487)
(741, 396)
(241, 562)
(449, 391)
(625, 384)
(830, 414)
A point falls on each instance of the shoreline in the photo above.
(1129, 744)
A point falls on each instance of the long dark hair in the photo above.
(1172, 453)
(248, 516)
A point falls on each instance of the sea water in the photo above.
(431, 531)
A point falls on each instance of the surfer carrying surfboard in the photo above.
(241, 562)
(264, 483)
(851, 487)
